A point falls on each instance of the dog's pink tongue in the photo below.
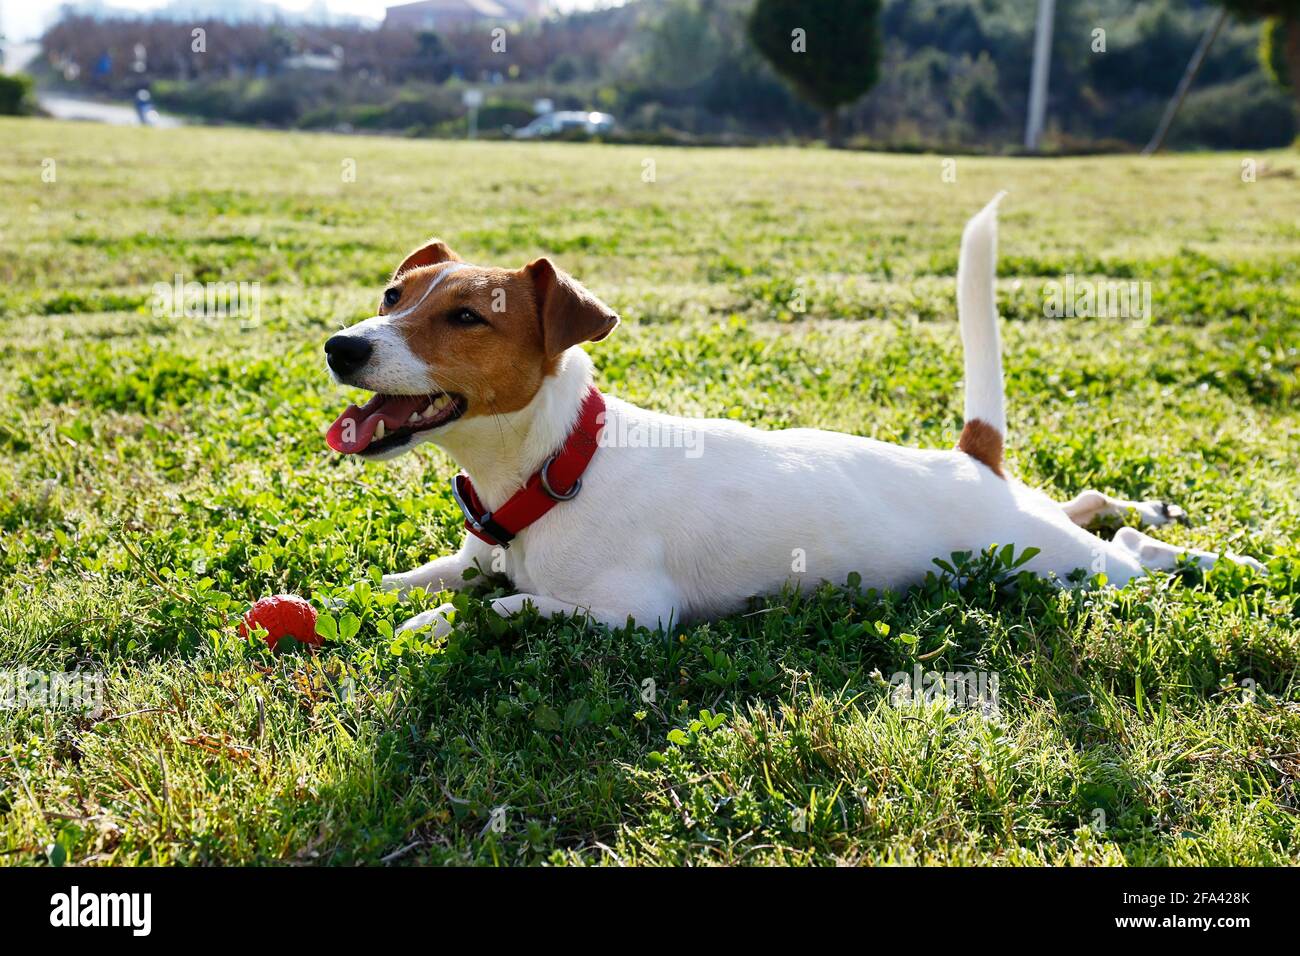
(355, 428)
(345, 435)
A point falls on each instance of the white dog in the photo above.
(596, 507)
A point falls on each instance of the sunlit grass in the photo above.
(159, 472)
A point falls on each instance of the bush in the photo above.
(412, 108)
(1251, 113)
(15, 94)
(276, 104)
(498, 113)
(1272, 51)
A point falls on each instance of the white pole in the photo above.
(1038, 77)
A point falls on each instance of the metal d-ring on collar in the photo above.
(546, 484)
(470, 516)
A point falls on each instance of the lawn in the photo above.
(158, 472)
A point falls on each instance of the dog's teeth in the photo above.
(379, 430)
(428, 411)
(415, 417)
(441, 402)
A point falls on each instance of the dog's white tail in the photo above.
(986, 417)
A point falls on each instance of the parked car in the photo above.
(564, 121)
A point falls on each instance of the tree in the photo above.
(431, 57)
(1281, 46)
(828, 50)
(684, 48)
(15, 94)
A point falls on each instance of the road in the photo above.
(115, 114)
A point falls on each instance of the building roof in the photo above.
(483, 8)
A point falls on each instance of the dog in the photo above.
(489, 365)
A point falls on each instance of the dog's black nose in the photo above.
(347, 353)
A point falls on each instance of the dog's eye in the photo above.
(465, 317)
(392, 297)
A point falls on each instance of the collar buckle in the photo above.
(471, 518)
(480, 525)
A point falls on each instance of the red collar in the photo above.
(560, 479)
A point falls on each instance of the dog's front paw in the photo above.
(434, 618)
(508, 607)
(1246, 561)
(402, 583)
(1157, 514)
(1171, 512)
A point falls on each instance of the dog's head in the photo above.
(452, 341)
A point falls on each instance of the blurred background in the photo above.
(955, 75)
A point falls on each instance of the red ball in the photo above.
(282, 615)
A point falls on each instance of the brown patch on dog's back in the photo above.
(982, 442)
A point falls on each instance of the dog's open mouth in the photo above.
(387, 421)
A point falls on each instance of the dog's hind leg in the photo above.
(1090, 506)
(1158, 555)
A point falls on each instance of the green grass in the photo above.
(156, 474)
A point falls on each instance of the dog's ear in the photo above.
(429, 254)
(568, 313)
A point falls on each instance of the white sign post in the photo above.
(473, 99)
